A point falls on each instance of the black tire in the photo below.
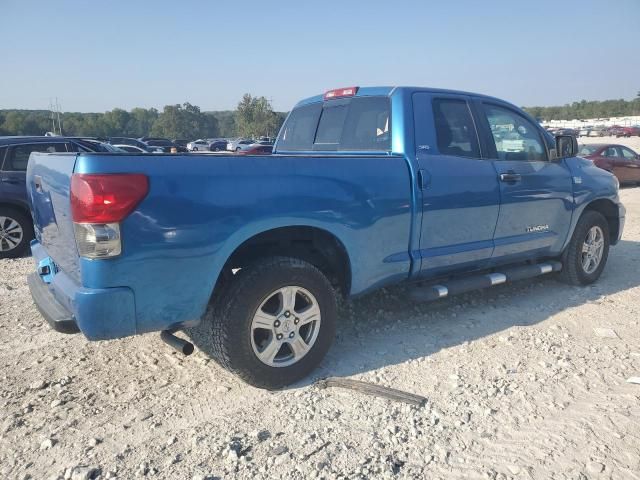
(229, 318)
(573, 271)
(194, 149)
(26, 224)
(238, 149)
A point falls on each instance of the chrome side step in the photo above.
(467, 284)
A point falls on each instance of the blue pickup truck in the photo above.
(367, 187)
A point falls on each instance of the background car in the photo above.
(618, 131)
(16, 223)
(257, 149)
(127, 141)
(164, 143)
(199, 145)
(566, 131)
(585, 131)
(239, 144)
(180, 142)
(131, 148)
(218, 145)
(623, 162)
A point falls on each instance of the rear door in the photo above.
(614, 160)
(630, 164)
(536, 194)
(460, 193)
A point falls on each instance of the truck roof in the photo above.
(387, 91)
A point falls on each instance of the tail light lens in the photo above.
(106, 198)
(98, 204)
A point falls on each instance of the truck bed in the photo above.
(199, 209)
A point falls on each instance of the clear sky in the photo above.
(95, 55)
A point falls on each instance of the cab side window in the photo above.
(455, 131)
(18, 156)
(515, 137)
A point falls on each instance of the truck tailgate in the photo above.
(48, 182)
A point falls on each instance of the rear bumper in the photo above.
(58, 317)
(99, 313)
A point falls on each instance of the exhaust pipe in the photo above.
(184, 347)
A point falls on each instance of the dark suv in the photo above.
(16, 225)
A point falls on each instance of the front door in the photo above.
(460, 193)
(536, 193)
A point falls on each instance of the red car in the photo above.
(623, 162)
(257, 150)
(625, 131)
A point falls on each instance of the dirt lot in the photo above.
(523, 381)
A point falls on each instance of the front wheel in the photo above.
(274, 322)
(588, 250)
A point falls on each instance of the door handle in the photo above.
(37, 182)
(510, 177)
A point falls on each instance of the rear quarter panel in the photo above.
(200, 209)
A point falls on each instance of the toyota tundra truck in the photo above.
(367, 187)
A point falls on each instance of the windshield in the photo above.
(348, 124)
(587, 150)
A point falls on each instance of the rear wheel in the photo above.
(16, 231)
(274, 322)
(588, 250)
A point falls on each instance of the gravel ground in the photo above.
(523, 381)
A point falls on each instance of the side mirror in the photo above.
(566, 146)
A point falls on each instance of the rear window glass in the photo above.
(353, 124)
(300, 128)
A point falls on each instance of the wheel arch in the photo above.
(17, 206)
(313, 244)
(610, 212)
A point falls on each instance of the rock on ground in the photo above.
(518, 386)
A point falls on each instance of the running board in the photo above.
(467, 284)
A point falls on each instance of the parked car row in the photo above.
(148, 144)
(598, 131)
(262, 146)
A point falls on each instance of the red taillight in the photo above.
(107, 198)
(340, 92)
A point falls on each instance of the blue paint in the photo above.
(410, 213)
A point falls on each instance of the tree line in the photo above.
(254, 117)
(588, 109)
